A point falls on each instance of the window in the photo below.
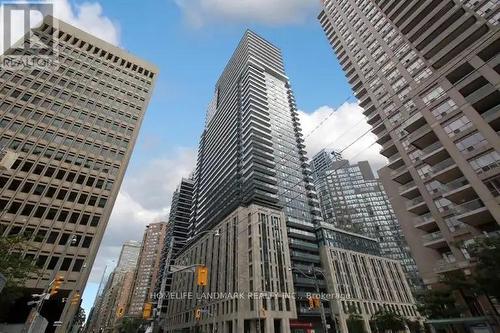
(40, 211)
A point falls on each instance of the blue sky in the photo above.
(191, 41)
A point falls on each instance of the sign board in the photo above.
(57, 323)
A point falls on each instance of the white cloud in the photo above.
(339, 131)
(87, 16)
(272, 12)
(145, 197)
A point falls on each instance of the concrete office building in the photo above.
(427, 75)
(363, 281)
(351, 198)
(175, 238)
(148, 267)
(74, 127)
(252, 152)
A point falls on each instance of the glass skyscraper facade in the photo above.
(252, 152)
(353, 199)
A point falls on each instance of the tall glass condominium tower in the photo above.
(73, 127)
(427, 75)
(353, 199)
(252, 151)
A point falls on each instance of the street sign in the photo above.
(57, 323)
(177, 268)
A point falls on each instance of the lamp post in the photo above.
(166, 272)
(322, 309)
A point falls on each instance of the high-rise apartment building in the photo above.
(175, 238)
(74, 127)
(427, 75)
(252, 152)
(351, 198)
(148, 268)
(129, 255)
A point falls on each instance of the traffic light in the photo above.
(202, 275)
(120, 311)
(197, 314)
(56, 285)
(75, 299)
(146, 312)
(317, 302)
(311, 302)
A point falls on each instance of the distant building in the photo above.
(360, 280)
(176, 237)
(148, 266)
(114, 301)
(351, 198)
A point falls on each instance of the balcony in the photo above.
(389, 149)
(378, 128)
(409, 191)
(395, 161)
(492, 117)
(474, 213)
(373, 118)
(446, 171)
(426, 222)
(417, 206)
(423, 137)
(459, 190)
(434, 153)
(384, 137)
(401, 175)
(434, 240)
(415, 122)
(443, 265)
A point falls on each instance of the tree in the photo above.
(388, 321)
(437, 303)
(15, 269)
(12, 266)
(132, 325)
(79, 319)
(355, 321)
(487, 271)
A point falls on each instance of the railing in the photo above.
(398, 170)
(420, 131)
(306, 244)
(462, 181)
(414, 202)
(405, 187)
(442, 165)
(431, 148)
(432, 236)
(394, 157)
(469, 206)
(444, 265)
(412, 119)
(424, 218)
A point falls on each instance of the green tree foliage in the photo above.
(12, 266)
(487, 271)
(132, 325)
(388, 321)
(15, 269)
(438, 303)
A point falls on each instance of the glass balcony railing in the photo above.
(432, 236)
(469, 206)
(424, 218)
(431, 148)
(462, 181)
(414, 202)
(442, 165)
(398, 170)
(419, 132)
(405, 187)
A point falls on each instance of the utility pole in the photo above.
(321, 308)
